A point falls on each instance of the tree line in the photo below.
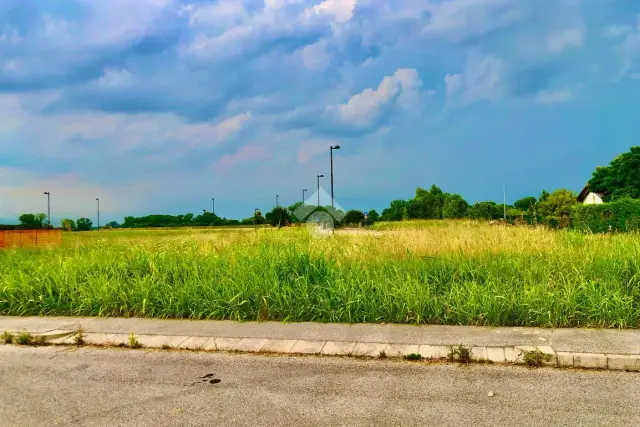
(618, 181)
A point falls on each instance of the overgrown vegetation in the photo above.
(622, 215)
(133, 341)
(7, 337)
(535, 359)
(438, 272)
(460, 354)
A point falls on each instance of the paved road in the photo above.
(114, 387)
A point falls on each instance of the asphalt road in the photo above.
(113, 387)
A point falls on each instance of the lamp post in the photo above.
(98, 201)
(303, 191)
(213, 205)
(277, 202)
(331, 148)
(319, 176)
(48, 207)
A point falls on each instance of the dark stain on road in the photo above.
(208, 378)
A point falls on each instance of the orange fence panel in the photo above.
(30, 238)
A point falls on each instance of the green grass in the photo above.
(440, 272)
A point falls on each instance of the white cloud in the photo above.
(246, 154)
(616, 31)
(52, 136)
(553, 97)
(482, 79)
(404, 85)
(315, 56)
(560, 41)
(456, 20)
(340, 10)
(312, 148)
(112, 78)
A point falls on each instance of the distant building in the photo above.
(588, 197)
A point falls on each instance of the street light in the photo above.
(98, 200)
(331, 148)
(277, 202)
(48, 206)
(303, 191)
(319, 176)
(213, 207)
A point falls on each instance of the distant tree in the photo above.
(544, 196)
(258, 218)
(33, 220)
(526, 204)
(454, 206)
(83, 224)
(113, 224)
(426, 204)
(558, 205)
(353, 217)
(620, 179)
(372, 216)
(485, 210)
(278, 217)
(68, 224)
(395, 211)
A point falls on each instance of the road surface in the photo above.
(116, 387)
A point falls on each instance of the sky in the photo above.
(156, 106)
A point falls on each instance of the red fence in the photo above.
(30, 238)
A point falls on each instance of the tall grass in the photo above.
(422, 272)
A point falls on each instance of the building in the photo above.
(588, 197)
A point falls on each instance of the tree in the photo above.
(485, 210)
(526, 204)
(84, 224)
(454, 206)
(395, 211)
(32, 220)
(68, 224)
(353, 217)
(372, 216)
(620, 179)
(278, 216)
(258, 218)
(113, 224)
(544, 196)
(558, 206)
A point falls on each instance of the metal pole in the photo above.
(277, 203)
(318, 191)
(303, 191)
(48, 207)
(98, 200)
(213, 207)
(331, 155)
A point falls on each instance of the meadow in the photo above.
(437, 272)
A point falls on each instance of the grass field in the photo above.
(439, 272)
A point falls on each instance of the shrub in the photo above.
(622, 215)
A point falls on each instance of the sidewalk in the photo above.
(583, 348)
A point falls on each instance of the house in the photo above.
(588, 197)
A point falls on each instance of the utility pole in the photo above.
(213, 207)
(331, 148)
(277, 202)
(318, 192)
(303, 191)
(48, 207)
(98, 200)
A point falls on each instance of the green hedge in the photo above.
(621, 215)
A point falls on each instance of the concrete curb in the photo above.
(519, 355)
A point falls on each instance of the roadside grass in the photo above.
(436, 272)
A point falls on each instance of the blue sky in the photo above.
(155, 106)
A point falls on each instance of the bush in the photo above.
(622, 215)
(353, 217)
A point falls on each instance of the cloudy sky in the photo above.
(155, 106)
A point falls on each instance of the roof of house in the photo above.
(585, 192)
